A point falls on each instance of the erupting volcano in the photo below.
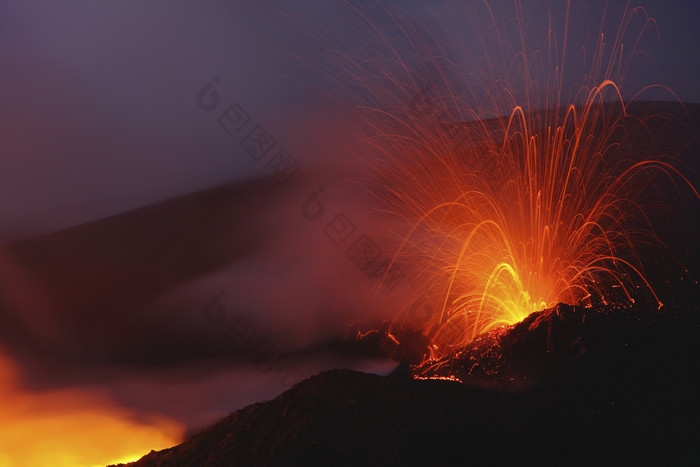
(462, 232)
(523, 185)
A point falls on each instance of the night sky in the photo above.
(122, 77)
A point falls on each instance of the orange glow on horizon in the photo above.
(73, 427)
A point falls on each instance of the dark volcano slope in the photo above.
(610, 388)
(570, 386)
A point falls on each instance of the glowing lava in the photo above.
(510, 215)
(72, 428)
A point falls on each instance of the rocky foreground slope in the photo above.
(568, 386)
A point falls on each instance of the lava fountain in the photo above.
(513, 161)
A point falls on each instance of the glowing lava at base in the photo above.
(72, 427)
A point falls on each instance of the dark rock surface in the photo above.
(567, 386)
